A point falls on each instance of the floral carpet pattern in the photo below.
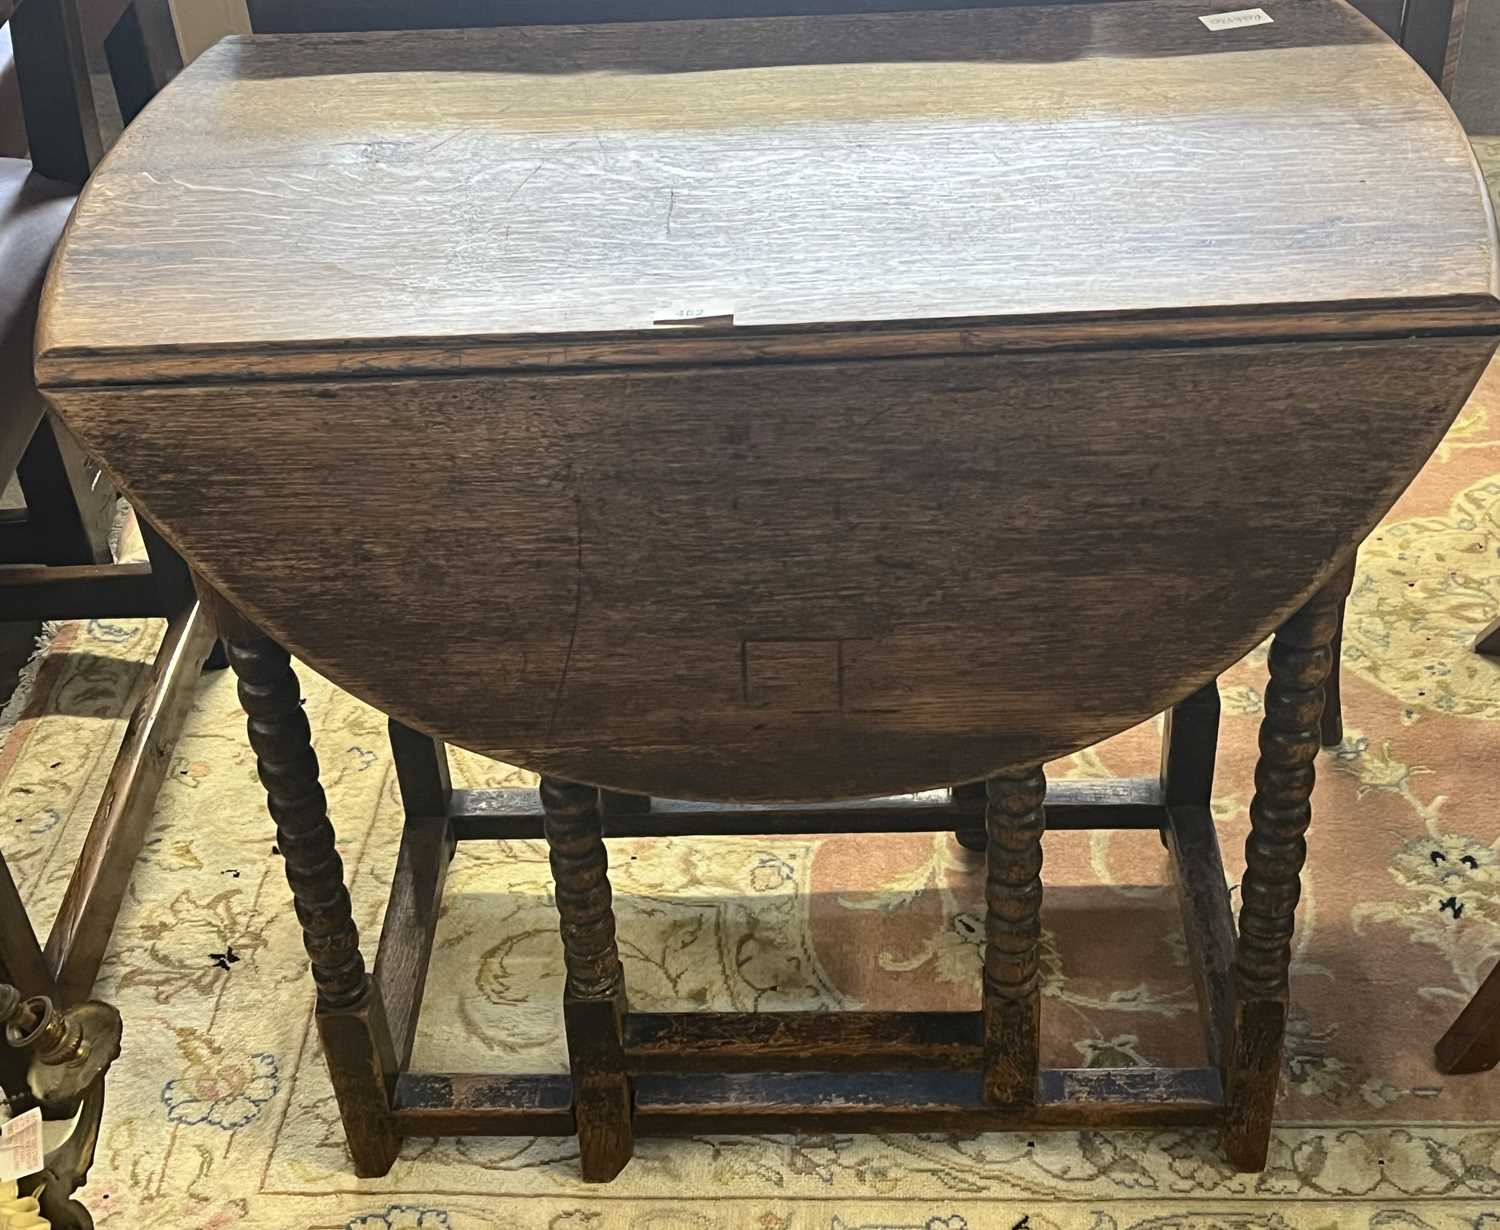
(220, 1115)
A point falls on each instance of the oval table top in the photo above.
(1056, 355)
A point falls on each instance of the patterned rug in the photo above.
(220, 1113)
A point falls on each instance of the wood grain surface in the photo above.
(332, 193)
(787, 581)
(788, 558)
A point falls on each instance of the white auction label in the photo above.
(21, 1145)
(694, 314)
(1240, 17)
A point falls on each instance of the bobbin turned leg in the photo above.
(594, 1001)
(350, 1013)
(1014, 821)
(1274, 854)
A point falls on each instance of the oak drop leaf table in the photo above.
(1054, 357)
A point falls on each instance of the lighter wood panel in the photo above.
(787, 581)
(981, 164)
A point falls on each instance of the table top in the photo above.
(343, 201)
(364, 325)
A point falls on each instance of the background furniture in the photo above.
(54, 554)
(1429, 30)
(876, 535)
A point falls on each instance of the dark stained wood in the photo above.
(85, 920)
(1190, 738)
(461, 1104)
(307, 16)
(288, 768)
(1061, 332)
(594, 1001)
(1384, 13)
(422, 772)
(1472, 1043)
(362, 1067)
(22, 963)
(57, 96)
(411, 917)
(513, 813)
(1012, 1015)
(1332, 723)
(84, 591)
(93, 493)
(976, 795)
(67, 521)
(719, 539)
(1189, 749)
(804, 136)
(1431, 34)
(801, 1041)
(174, 581)
(695, 1104)
(226, 619)
(612, 803)
(351, 1012)
(23, 966)
(411, 914)
(1488, 641)
(1274, 854)
(1207, 921)
(986, 467)
(142, 53)
(69, 510)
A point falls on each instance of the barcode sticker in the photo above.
(694, 314)
(21, 1145)
(1240, 17)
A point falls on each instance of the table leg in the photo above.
(1488, 641)
(594, 1000)
(1472, 1043)
(351, 1014)
(1274, 854)
(1014, 820)
(1189, 749)
(1333, 701)
(972, 840)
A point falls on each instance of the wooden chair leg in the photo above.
(1472, 1043)
(86, 918)
(142, 53)
(1012, 938)
(1274, 854)
(69, 506)
(174, 583)
(351, 1013)
(1332, 723)
(594, 1000)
